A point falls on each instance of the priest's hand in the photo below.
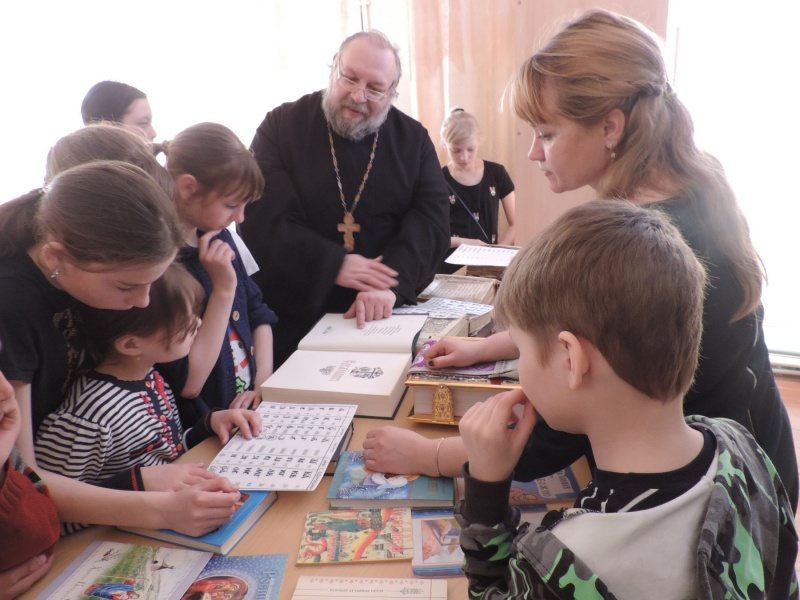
(365, 274)
(371, 306)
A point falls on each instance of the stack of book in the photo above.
(483, 261)
(480, 290)
(338, 363)
(444, 395)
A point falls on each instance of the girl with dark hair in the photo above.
(119, 103)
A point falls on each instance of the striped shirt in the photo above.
(106, 426)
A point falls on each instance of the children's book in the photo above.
(248, 510)
(355, 486)
(293, 450)
(444, 395)
(337, 362)
(480, 290)
(120, 571)
(559, 486)
(437, 552)
(255, 577)
(367, 588)
(339, 536)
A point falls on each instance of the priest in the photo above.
(354, 218)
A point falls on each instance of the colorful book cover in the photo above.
(338, 536)
(561, 485)
(437, 552)
(355, 486)
(248, 510)
(121, 571)
(256, 577)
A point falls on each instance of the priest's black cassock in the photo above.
(292, 230)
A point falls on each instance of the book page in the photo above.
(291, 453)
(444, 308)
(334, 332)
(489, 256)
(368, 588)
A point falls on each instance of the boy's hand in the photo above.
(492, 447)
(10, 419)
(249, 399)
(217, 259)
(223, 422)
(174, 476)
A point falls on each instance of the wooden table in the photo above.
(280, 529)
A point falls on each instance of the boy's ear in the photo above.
(614, 127)
(128, 345)
(186, 186)
(575, 356)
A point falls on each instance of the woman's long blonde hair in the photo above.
(602, 61)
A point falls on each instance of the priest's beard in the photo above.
(355, 131)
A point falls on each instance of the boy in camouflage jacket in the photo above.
(606, 309)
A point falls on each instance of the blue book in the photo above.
(255, 577)
(250, 508)
(354, 486)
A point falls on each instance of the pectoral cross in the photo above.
(348, 228)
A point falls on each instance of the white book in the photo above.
(367, 588)
(339, 363)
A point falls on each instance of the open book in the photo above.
(339, 363)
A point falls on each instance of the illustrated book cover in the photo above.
(437, 552)
(444, 395)
(367, 588)
(355, 486)
(248, 510)
(338, 363)
(557, 487)
(254, 577)
(293, 450)
(118, 570)
(367, 535)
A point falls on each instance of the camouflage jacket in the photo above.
(746, 550)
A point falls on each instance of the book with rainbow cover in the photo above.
(338, 536)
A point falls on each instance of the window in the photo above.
(735, 69)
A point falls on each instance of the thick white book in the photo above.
(339, 363)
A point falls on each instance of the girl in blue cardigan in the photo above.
(215, 177)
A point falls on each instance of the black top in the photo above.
(292, 230)
(734, 377)
(481, 201)
(39, 332)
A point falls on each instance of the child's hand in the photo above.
(14, 582)
(10, 419)
(198, 509)
(249, 399)
(217, 259)
(223, 422)
(492, 447)
(174, 476)
(452, 352)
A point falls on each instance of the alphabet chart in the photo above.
(292, 451)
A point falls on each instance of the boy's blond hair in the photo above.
(621, 277)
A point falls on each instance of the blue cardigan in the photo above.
(247, 313)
